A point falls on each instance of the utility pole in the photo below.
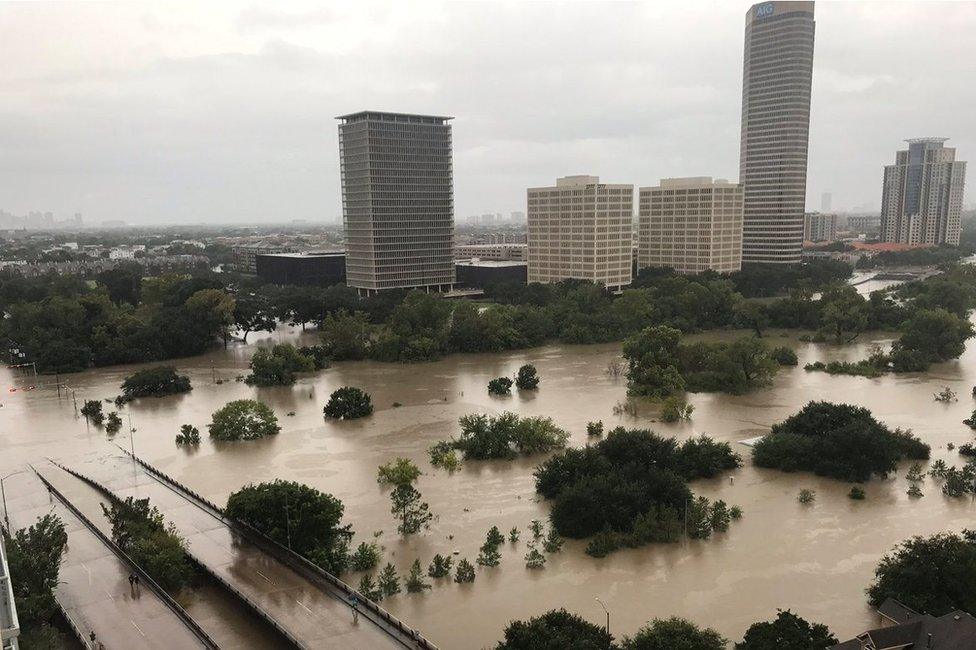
(57, 380)
(603, 605)
(287, 521)
(132, 442)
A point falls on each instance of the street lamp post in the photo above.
(3, 496)
(604, 606)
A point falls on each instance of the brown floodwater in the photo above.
(815, 559)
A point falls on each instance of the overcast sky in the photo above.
(212, 112)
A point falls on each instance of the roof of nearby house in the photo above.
(897, 611)
(952, 631)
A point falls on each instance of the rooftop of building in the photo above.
(307, 254)
(949, 632)
(490, 263)
(691, 181)
(392, 117)
(926, 140)
(580, 180)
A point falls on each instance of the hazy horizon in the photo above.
(222, 113)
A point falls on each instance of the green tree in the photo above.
(500, 386)
(243, 419)
(138, 529)
(399, 471)
(935, 574)
(413, 514)
(369, 590)
(297, 516)
(534, 559)
(415, 579)
(464, 571)
(844, 312)
(92, 410)
(346, 335)
(254, 313)
(699, 516)
(277, 365)
(155, 382)
(34, 558)
(113, 423)
(348, 403)
(652, 364)
(440, 566)
(123, 283)
(507, 435)
(556, 629)
(934, 335)
(389, 581)
(674, 634)
(784, 356)
(365, 557)
(188, 435)
(527, 378)
(752, 315)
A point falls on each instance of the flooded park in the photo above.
(815, 559)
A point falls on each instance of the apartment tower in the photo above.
(921, 200)
(777, 72)
(397, 201)
(690, 225)
(581, 228)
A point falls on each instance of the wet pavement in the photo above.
(317, 619)
(94, 589)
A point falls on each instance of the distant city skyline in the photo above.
(218, 113)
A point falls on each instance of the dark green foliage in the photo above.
(603, 543)
(123, 283)
(527, 378)
(297, 516)
(856, 493)
(388, 581)
(368, 589)
(935, 335)
(737, 367)
(188, 435)
(507, 435)
(417, 330)
(594, 428)
(784, 356)
(365, 557)
(66, 326)
(500, 386)
(41, 637)
(346, 335)
(763, 280)
(555, 630)
(652, 364)
(464, 572)
(254, 312)
(630, 486)
(720, 516)
(787, 632)
(155, 382)
(319, 355)
(348, 403)
(935, 574)
(277, 365)
(674, 634)
(836, 440)
(412, 513)
(440, 566)
(536, 560)
(967, 449)
(243, 419)
(34, 558)
(139, 530)
(699, 518)
(113, 423)
(92, 410)
(960, 482)
(415, 580)
(443, 455)
(674, 409)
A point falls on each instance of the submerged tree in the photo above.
(415, 580)
(527, 378)
(414, 514)
(348, 403)
(464, 571)
(787, 631)
(389, 581)
(440, 566)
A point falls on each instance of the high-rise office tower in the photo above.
(397, 201)
(581, 228)
(921, 202)
(820, 227)
(777, 72)
(690, 225)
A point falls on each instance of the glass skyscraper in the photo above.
(397, 201)
(776, 77)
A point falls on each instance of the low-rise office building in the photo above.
(819, 227)
(245, 256)
(310, 269)
(478, 274)
(581, 229)
(690, 225)
(516, 252)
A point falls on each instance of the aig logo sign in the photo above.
(765, 10)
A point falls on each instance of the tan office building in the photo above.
(581, 228)
(690, 225)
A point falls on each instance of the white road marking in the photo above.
(303, 605)
(264, 576)
(88, 571)
(137, 627)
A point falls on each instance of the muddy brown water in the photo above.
(814, 559)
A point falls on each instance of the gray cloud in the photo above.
(182, 113)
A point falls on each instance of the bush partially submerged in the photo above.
(837, 440)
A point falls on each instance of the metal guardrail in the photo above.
(250, 604)
(299, 564)
(200, 633)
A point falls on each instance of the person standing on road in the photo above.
(354, 603)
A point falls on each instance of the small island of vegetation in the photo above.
(243, 419)
(837, 440)
(154, 382)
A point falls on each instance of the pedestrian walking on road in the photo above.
(132, 580)
(92, 637)
(354, 603)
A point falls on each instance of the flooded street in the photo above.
(814, 559)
